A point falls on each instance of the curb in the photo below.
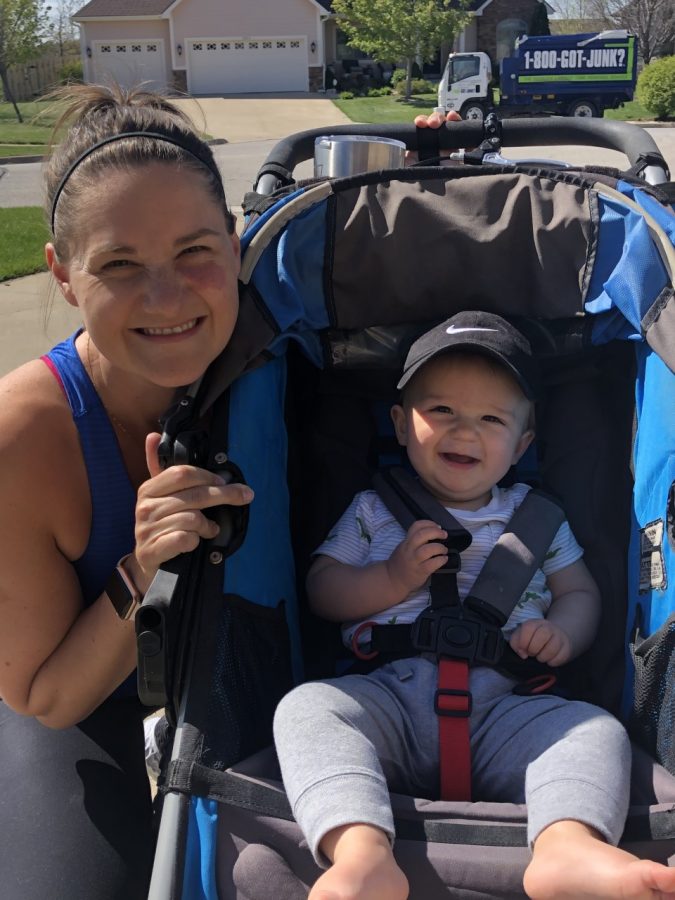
(214, 142)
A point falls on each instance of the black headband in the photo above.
(210, 164)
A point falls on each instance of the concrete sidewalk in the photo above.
(34, 317)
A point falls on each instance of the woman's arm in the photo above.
(58, 659)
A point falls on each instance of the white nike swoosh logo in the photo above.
(454, 330)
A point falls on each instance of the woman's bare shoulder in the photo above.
(38, 437)
(32, 403)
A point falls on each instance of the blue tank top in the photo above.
(113, 498)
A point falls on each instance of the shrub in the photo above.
(422, 86)
(71, 71)
(380, 92)
(347, 95)
(397, 76)
(656, 87)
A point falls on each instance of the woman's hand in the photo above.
(436, 119)
(169, 512)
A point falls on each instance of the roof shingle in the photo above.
(122, 8)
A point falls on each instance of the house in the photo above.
(259, 46)
(496, 24)
(206, 46)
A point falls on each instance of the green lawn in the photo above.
(30, 136)
(631, 112)
(375, 110)
(23, 235)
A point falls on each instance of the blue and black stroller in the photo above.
(338, 277)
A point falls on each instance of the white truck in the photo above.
(567, 74)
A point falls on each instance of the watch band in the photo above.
(122, 592)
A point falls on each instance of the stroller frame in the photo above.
(176, 626)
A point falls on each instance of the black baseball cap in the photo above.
(478, 332)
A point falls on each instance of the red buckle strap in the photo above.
(452, 704)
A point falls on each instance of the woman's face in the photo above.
(154, 272)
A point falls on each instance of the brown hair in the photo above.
(92, 115)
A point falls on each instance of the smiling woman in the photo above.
(143, 244)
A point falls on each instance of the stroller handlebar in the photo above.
(631, 140)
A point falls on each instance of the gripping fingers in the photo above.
(180, 533)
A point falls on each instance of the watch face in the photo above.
(121, 595)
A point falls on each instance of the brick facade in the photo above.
(179, 80)
(316, 78)
(495, 13)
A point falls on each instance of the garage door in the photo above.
(233, 66)
(129, 62)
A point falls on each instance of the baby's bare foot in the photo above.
(572, 862)
(364, 868)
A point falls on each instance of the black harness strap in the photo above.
(516, 556)
(472, 630)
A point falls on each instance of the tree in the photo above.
(61, 29)
(22, 26)
(539, 22)
(393, 30)
(651, 21)
(574, 16)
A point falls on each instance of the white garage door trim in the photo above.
(130, 62)
(235, 65)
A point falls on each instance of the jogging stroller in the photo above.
(338, 277)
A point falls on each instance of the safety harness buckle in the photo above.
(456, 633)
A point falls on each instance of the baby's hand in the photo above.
(418, 555)
(543, 639)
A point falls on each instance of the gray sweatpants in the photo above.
(345, 742)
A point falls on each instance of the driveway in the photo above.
(273, 116)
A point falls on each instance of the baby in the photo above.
(465, 417)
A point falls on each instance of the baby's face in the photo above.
(464, 424)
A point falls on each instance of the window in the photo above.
(508, 31)
(151, 48)
(121, 48)
(211, 46)
(463, 67)
(135, 48)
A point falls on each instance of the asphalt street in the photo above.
(20, 183)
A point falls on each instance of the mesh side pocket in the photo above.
(653, 716)
(252, 671)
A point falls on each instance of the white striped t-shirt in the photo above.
(367, 533)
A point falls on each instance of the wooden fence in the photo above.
(32, 79)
